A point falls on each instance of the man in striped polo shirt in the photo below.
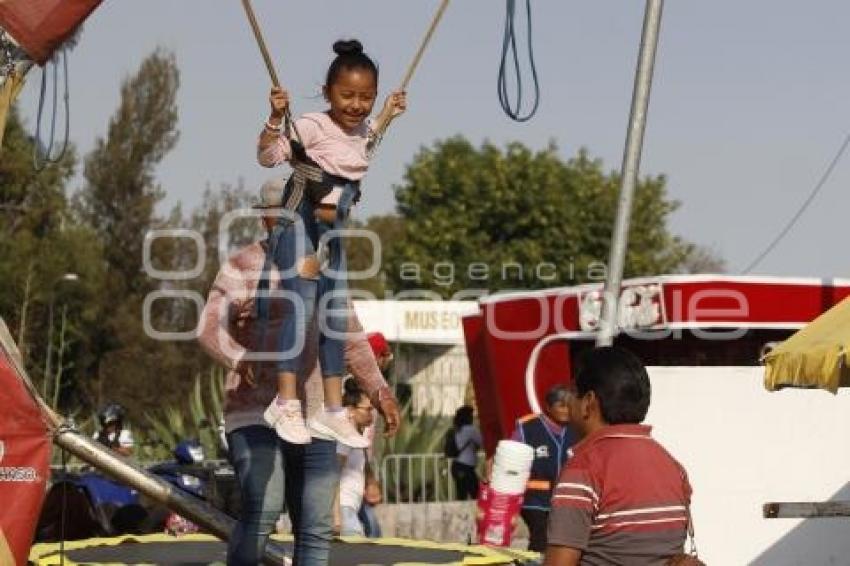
(621, 499)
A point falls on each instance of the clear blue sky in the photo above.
(749, 102)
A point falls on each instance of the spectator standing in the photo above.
(352, 462)
(268, 468)
(467, 442)
(551, 438)
(622, 498)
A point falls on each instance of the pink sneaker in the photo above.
(288, 421)
(338, 426)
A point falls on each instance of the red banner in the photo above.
(40, 26)
(24, 465)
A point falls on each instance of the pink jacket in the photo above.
(229, 329)
(334, 150)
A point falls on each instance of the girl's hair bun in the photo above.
(347, 47)
(349, 55)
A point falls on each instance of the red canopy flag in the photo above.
(40, 26)
(24, 464)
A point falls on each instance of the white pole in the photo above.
(631, 167)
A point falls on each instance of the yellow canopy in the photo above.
(9, 90)
(816, 356)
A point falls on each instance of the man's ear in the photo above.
(591, 403)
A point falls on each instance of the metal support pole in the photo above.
(122, 469)
(631, 167)
(128, 473)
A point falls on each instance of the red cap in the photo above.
(379, 343)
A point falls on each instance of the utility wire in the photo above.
(814, 193)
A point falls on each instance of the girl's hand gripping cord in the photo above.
(395, 104)
(279, 102)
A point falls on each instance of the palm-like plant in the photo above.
(199, 420)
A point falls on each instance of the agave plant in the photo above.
(199, 420)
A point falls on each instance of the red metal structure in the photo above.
(40, 26)
(520, 344)
(24, 461)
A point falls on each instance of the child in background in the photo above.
(352, 462)
(329, 160)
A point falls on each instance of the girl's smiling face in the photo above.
(351, 97)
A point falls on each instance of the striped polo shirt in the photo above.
(621, 499)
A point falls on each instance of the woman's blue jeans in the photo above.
(270, 472)
(290, 242)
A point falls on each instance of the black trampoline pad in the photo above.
(344, 554)
(196, 553)
(176, 553)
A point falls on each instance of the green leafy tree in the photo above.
(51, 266)
(361, 254)
(120, 192)
(486, 218)
(118, 203)
(702, 259)
(207, 219)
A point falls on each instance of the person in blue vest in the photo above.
(550, 436)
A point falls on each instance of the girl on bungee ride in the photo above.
(329, 152)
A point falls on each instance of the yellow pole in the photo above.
(8, 93)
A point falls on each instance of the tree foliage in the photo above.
(50, 265)
(117, 202)
(120, 193)
(365, 257)
(485, 218)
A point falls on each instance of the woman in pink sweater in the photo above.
(270, 470)
(328, 152)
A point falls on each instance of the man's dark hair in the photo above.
(620, 382)
(557, 394)
(463, 416)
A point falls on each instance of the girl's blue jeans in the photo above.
(290, 243)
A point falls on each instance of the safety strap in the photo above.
(301, 174)
(309, 179)
(692, 543)
(466, 444)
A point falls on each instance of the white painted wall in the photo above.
(439, 377)
(742, 447)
